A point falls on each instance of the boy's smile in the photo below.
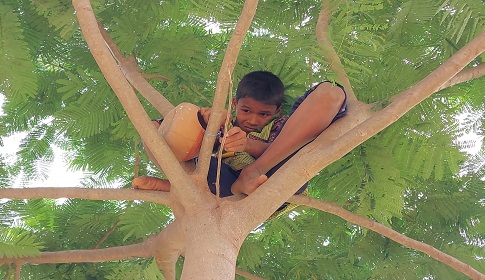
(253, 115)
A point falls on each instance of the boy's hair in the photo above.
(262, 86)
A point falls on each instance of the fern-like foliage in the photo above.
(17, 78)
(60, 15)
(139, 227)
(139, 269)
(17, 243)
(458, 16)
(44, 217)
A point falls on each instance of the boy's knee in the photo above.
(328, 88)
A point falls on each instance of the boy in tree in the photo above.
(261, 142)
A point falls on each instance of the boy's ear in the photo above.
(233, 104)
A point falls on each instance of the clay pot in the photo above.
(182, 131)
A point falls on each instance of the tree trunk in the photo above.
(211, 252)
(211, 258)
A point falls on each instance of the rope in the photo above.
(226, 124)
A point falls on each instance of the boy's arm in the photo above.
(205, 113)
(237, 141)
(256, 147)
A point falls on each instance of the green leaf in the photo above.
(17, 76)
(18, 243)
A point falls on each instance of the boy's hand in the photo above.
(236, 140)
(206, 112)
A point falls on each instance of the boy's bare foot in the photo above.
(248, 181)
(151, 183)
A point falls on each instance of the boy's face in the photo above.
(252, 115)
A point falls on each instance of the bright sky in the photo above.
(473, 137)
(59, 175)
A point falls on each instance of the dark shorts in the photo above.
(228, 176)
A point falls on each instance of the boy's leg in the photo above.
(227, 177)
(310, 119)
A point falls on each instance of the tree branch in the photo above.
(223, 81)
(134, 75)
(108, 233)
(17, 271)
(465, 75)
(330, 55)
(192, 196)
(84, 193)
(389, 233)
(312, 158)
(166, 247)
(141, 250)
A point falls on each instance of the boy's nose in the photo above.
(253, 120)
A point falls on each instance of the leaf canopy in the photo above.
(414, 177)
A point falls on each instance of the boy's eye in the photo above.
(264, 115)
(245, 110)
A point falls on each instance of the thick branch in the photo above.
(84, 193)
(311, 159)
(133, 74)
(223, 81)
(141, 250)
(330, 55)
(166, 247)
(389, 233)
(180, 181)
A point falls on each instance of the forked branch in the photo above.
(314, 159)
(182, 184)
